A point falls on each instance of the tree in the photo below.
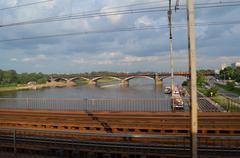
(211, 92)
(230, 86)
(185, 83)
(200, 79)
(9, 77)
(237, 74)
(227, 73)
(1, 75)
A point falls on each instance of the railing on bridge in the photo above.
(96, 105)
(114, 105)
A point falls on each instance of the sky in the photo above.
(142, 50)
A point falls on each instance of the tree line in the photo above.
(11, 77)
(230, 73)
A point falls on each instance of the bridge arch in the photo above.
(78, 78)
(106, 77)
(60, 79)
(134, 77)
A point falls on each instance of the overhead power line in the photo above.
(90, 14)
(25, 5)
(118, 30)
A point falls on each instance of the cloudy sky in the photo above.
(145, 50)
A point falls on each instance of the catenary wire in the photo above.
(119, 30)
(121, 12)
(24, 5)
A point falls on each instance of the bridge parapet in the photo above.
(123, 78)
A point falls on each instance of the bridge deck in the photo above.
(117, 134)
(162, 123)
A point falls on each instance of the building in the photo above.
(235, 65)
(223, 66)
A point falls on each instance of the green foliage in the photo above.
(212, 91)
(235, 90)
(10, 78)
(206, 71)
(200, 79)
(237, 74)
(230, 86)
(230, 73)
(185, 83)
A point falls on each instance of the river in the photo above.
(78, 97)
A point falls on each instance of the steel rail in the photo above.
(114, 134)
(107, 144)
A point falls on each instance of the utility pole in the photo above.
(193, 78)
(171, 44)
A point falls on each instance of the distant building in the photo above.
(223, 66)
(235, 65)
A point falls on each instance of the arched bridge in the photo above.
(123, 78)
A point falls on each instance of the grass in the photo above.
(10, 87)
(227, 104)
(235, 90)
(5, 89)
(81, 82)
(202, 90)
(105, 80)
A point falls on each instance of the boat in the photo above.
(177, 101)
(167, 90)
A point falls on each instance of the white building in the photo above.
(223, 66)
(235, 65)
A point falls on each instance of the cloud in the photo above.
(143, 21)
(117, 58)
(115, 19)
(115, 51)
(11, 3)
(201, 32)
(37, 58)
(13, 59)
(110, 54)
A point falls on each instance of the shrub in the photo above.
(212, 91)
(230, 86)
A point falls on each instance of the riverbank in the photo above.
(48, 85)
(35, 86)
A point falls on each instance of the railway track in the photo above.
(140, 123)
(175, 146)
(205, 105)
(108, 134)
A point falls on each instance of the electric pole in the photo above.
(193, 78)
(171, 44)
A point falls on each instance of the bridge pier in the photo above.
(124, 83)
(158, 80)
(70, 83)
(92, 82)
